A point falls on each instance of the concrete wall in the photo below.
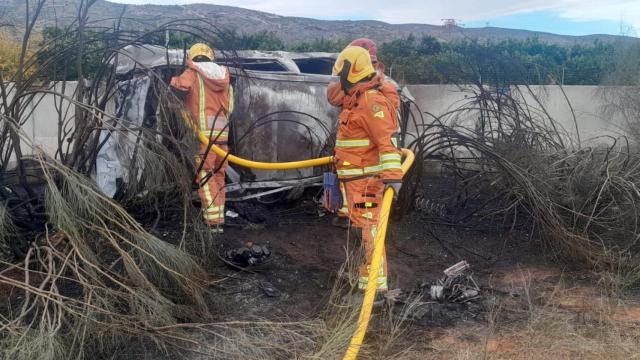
(44, 112)
(436, 99)
(587, 102)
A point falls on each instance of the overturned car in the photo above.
(281, 114)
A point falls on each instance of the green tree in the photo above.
(411, 60)
(424, 60)
(587, 65)
(267, 41)
(321, 45)
(60, 49)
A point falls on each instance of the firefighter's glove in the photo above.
(396, 188)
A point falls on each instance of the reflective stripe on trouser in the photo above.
(368, 237)
(211, 192)
(388, 161)
(352, 143)
(364, 197)
(368, 170)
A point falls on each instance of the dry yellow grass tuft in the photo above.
(10, 52)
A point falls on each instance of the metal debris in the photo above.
(430, 207)
(457, 285)
(455, 297)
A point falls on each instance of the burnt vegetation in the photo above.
(88, 275)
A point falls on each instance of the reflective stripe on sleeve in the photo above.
(391, 166)
(373, 169)
(390, 157)
(349, 172)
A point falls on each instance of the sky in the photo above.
(569, 17)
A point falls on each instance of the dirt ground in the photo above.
(523, 287)
(532, 305)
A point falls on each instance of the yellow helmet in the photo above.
(201, 49)
(353, 65)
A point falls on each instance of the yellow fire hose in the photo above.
(263, 165)
(370, 292)
(378, 249)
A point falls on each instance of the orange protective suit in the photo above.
(335, 96)
(367, 157)
(209, 98)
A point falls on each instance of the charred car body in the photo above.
(281, 114)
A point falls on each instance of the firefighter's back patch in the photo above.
(377, 111)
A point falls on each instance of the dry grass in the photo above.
(343, 309)
(565, 323)
(386, 336)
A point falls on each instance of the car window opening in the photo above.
(322, 66)
(256, 65)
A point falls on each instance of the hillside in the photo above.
(290, 29)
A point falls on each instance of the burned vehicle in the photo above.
(281, 114)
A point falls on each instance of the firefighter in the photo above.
(335, 96)
(209, 99)
(367, 157)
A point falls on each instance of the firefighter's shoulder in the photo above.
(376, 102)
